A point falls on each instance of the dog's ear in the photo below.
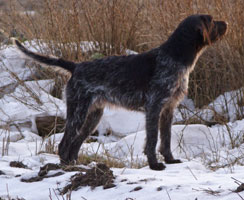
(203, 33)
(206, 19)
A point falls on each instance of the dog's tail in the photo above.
(68, 65)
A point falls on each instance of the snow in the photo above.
(212, 156)
(85, 46)
(27, 102)
(181, 181)
(10, 62)
(228, 104)
(127, 123)
(188, 180)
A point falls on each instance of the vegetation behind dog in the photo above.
(138, 25)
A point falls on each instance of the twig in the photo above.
(192, 173)
(237, 181)
(168, 194)
(240, 196)
(209, 191)
(8, 192)
(50, 194)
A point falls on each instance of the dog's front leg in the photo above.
(165, 135)
(152, 119)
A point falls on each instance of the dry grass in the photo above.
(138, 25)
(107, 160)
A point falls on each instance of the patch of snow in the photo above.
(40, 46)
(11, 136)
(228, 104)
(130, 52)
(30, 100)
(121, 122)
(10, 62)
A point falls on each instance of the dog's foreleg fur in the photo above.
(153, 110)
(165, 135)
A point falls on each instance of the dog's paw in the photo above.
(157, 166)
(173, 161)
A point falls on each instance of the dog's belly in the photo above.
(129, 100)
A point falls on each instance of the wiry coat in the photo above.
(153, 82)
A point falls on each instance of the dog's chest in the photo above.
(180, 88)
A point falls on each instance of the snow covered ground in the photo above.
(188, 180)
(212, 156)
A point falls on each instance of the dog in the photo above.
(153, 82)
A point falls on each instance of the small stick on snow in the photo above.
(167, 193)
(240, 196)
(237, 181)
(192, 173)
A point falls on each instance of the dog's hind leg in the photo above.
(77, 111)
(165, 135)
(88, 128)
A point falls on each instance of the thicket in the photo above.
(139, 25)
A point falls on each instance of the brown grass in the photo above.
(138, 25)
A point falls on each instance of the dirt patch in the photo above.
(40, 178)
(49, 125)
(49, 167)
(160, 188)
(43, 173)
(136, 189)
(17, 164)
(2, 173)
(100, 175)
(9, 198)
(240, 188)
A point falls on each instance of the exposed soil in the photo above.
(2, 173)
(9, 198)
(49, 125)
(49, 167)
(160, 188)
(240, 188)
(40, 178)
(100, 175)
(136, 189)
(17, 164)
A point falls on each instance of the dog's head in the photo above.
(202, 29)
(211, 30)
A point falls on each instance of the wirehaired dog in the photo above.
(153, 82)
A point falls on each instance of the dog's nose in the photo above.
(222, 27)
(226, 26)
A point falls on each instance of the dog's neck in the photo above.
(177, 64)
(182, 48)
